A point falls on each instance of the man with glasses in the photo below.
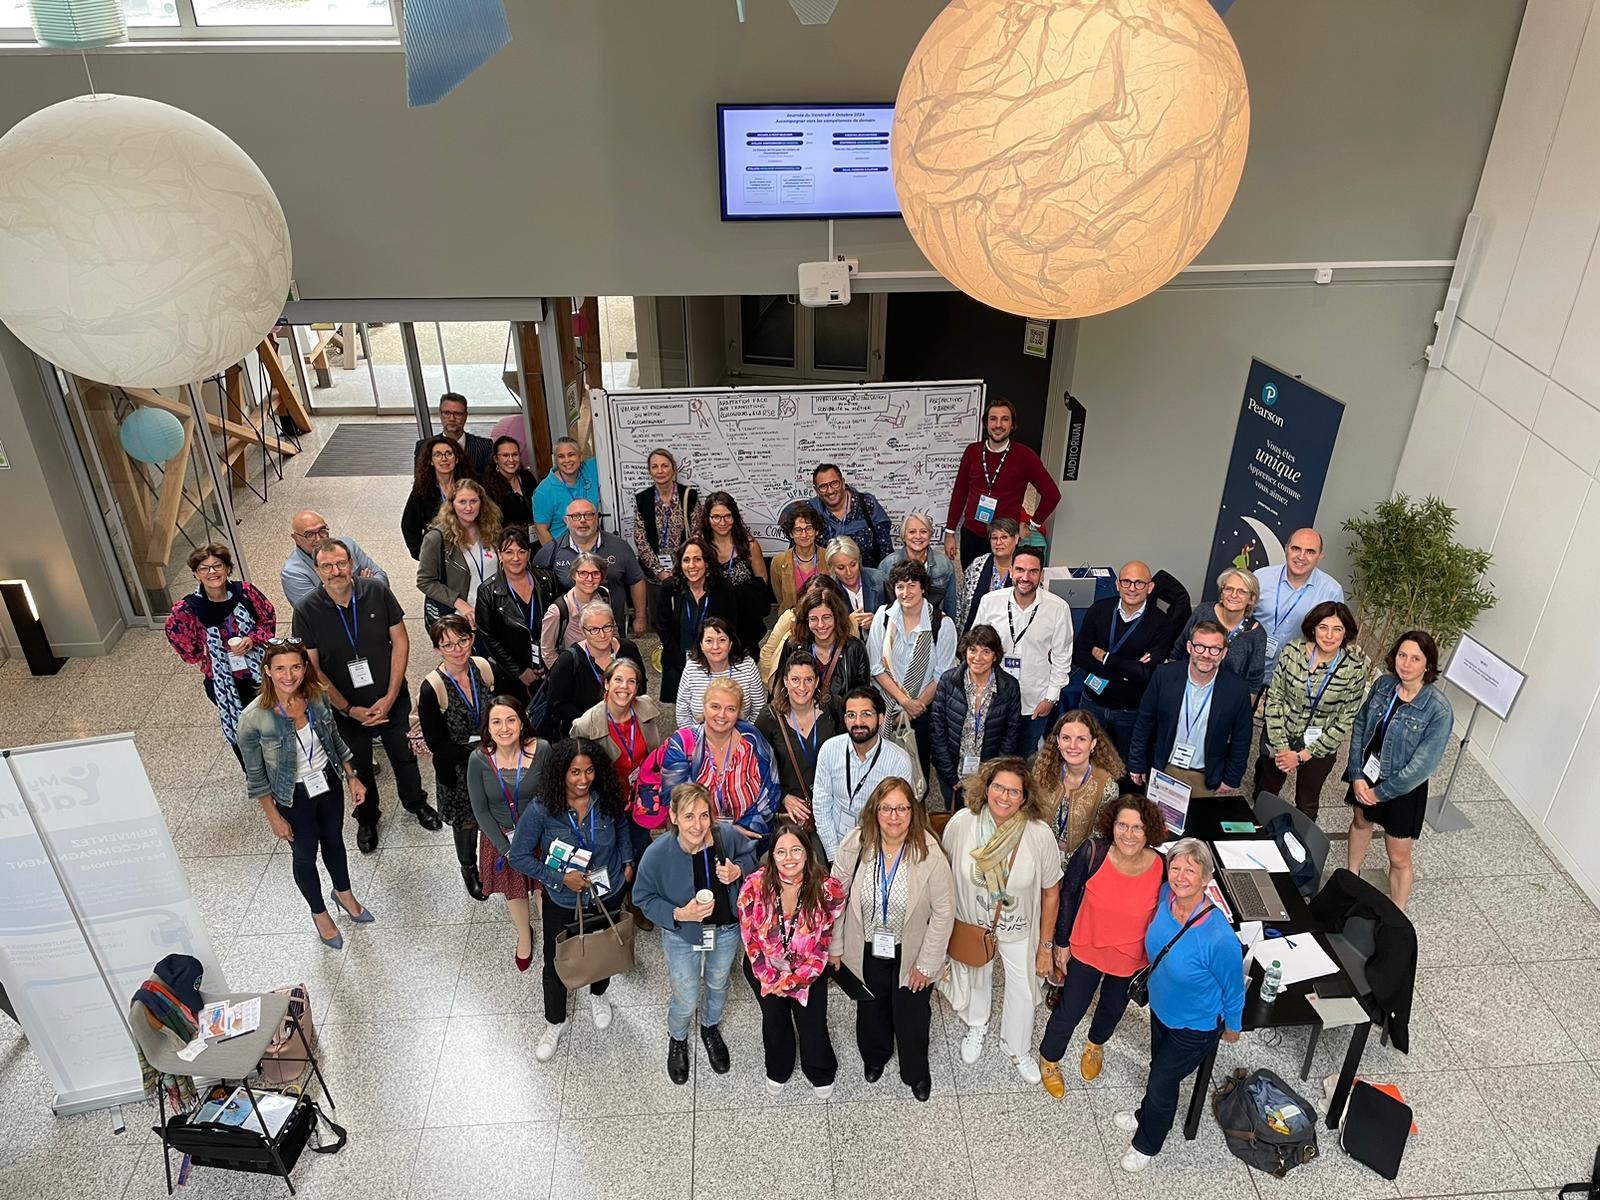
(1291, 589)
(1035, 629)
(355, 634)
(846, 512)
(572, 478)
(299, 575)
(1194, 722)
(624, 577)
(1119, 645)
(475, 449)
(850, 765)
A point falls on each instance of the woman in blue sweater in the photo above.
(1196, 985)
(580, 805)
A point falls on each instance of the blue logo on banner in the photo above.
(1269, 394)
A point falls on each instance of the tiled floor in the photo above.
(427, 1030)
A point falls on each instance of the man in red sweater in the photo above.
(993, 478)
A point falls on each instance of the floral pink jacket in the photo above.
(780, 971)
(187, 634)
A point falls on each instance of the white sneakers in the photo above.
(1133, 1161)
(546, 1049)
(774, 1088)
(1125, 1120)
(972, 1045)
(1027, 1068)
(823, 1092)
(600, 1009)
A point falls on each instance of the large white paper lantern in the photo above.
(139, 246)
(1060, 158)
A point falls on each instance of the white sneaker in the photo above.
(1027, 1068)
(600, 1009)
(823, 1092)
(546, 1049)
(774, 1088)
(1133, 1161)
(1126, 1120)
(972, 1044)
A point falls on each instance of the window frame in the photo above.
(189, 31)
(805, 367)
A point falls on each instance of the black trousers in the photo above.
(895, 1019)
(1309, 777)
(553, 922)
(970, 545)
(784, 1016)
(316, 822)
(407, 778)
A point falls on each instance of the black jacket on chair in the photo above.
(1228, 727)
(1392, 967)
(1002, 725)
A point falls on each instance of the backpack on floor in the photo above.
(1266, 1123)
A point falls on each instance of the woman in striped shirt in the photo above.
(729, 758)
(718, 655)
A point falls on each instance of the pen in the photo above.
(1255, 860)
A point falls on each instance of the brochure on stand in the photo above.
(224, 1020)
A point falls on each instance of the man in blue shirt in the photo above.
(1194, 722)
(299, 575)
(1291, 589)
(574, 478)
(852, 514)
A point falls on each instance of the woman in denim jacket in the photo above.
(1399, 737)
(293, 757)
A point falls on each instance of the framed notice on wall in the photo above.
(1485, 676)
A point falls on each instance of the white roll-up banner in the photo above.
(92, 802)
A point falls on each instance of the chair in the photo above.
(1308, 832)
(1354, 945)
(234, 1059)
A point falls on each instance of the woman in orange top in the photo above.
(1108, 897)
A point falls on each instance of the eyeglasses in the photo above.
(1235, 591)
(606, 628)
(582, 516)
(720, 517)
(791, 852)
(1207, 651)
(1124, 827)
(1136, 585)
(1010, 793)
(454, 644)
(320, 532)
(819, 618)
(211, 569)
(285, 643)
(895, 810)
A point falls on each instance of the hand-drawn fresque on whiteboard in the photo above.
(901, 442)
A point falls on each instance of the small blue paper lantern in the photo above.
(151, 435)
(78, 24)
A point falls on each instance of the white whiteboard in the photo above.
(1485, 676)
(902, 442)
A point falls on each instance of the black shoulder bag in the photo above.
(1139, 985)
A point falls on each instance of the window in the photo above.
(239, 20)
(777, 337)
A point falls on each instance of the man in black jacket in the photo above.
(1194, 721)
(1121, 643)
(476, 450)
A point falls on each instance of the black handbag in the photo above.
(1139, 985)
(234, 1148)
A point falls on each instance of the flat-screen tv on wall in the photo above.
(805, 162)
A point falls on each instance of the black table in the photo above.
(1291, 1009)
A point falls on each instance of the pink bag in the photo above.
(651, 806)
(286, 1058)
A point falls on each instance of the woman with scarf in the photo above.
(988, 572)
(1003, 854)
(223, 627)
(503, 780)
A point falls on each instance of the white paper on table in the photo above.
(1262, 855)
(1305, 959)
(1250, 932)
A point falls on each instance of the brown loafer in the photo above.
(1050, 1076)
(1089, 1065)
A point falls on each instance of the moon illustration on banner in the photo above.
(1270, 545)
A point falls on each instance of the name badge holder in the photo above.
(1312, 733)
(1182, 755)
(239, 664)
(664, 562)
(1012, 663)
(1372, 769)
(708, 938)
(1095, 683)
(316, 784)
(1272, 645)
(883, 944)
(600, 881)
(360, 673)
(969, 765)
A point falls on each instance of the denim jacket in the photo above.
(271, 754)
(1418, 735)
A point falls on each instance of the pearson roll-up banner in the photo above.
(1274, 478)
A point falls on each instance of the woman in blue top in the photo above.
(1196, 995)
(581, 805)
(916, 536)
(1397, 741)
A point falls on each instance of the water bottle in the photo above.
(1271, 982)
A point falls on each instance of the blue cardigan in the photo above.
(666, 878)
(1200, 983)
(612, 848)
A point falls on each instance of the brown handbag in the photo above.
(588, 957)
(974, 945)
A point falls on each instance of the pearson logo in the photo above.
(1269, 394)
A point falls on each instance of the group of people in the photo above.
(862, 793)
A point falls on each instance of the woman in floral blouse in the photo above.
(786, 914)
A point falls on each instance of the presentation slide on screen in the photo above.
(807, 162)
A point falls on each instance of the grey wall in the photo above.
(583, 158)
(1163, 380)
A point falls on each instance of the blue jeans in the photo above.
(1118, 722)
(1078, 991)
(1033, 731)
(1174, 1055)
(689, 968)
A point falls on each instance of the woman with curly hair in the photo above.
(1003, 854)
(459, 554)
(1108, 898)
(794, 569)
(736, 549)
(580, 805)
(440, 467)
(1076, 772)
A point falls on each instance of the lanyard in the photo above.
(482, 568)
(979, 708)
(633, 738)
(1127, 629)
(787, 926)
(885, 882)
(1064, 812)
(511, 796)
(849, 782)
(527, 605)
(599, 675)
(1278, 617)
(310, 744)
(1383, 723)
(355, 621)
(1326, 679)
(711, 878)
(694, 611)
(812, 745)
(828, 665)
(1188, 721)
(1032, 617)
(983, 458)
(719, 776)
(577, 832)
(475, 705)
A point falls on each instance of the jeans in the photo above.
(407, 779)
(782, 1017)
(1118, 722)
(691, 969)
(1174, 1056)
(1033, 731)
(1077, 990)
(315, 821)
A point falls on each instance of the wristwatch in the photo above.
(1047, 945)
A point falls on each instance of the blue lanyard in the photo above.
(626, 744)
(1189, 722)
(887, 882)
(591, 844)
(475, 705)
(1326, 679)
(599, 675)
(355, 621)
(812, 745)
(1127, 630)
(1277, 600)
(694, 612)
(1383, 723)
(978, 710)
(711, 875)
(310, 744)
(483, 563)
(511, 796)
(527, 609)
(1064, 812)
